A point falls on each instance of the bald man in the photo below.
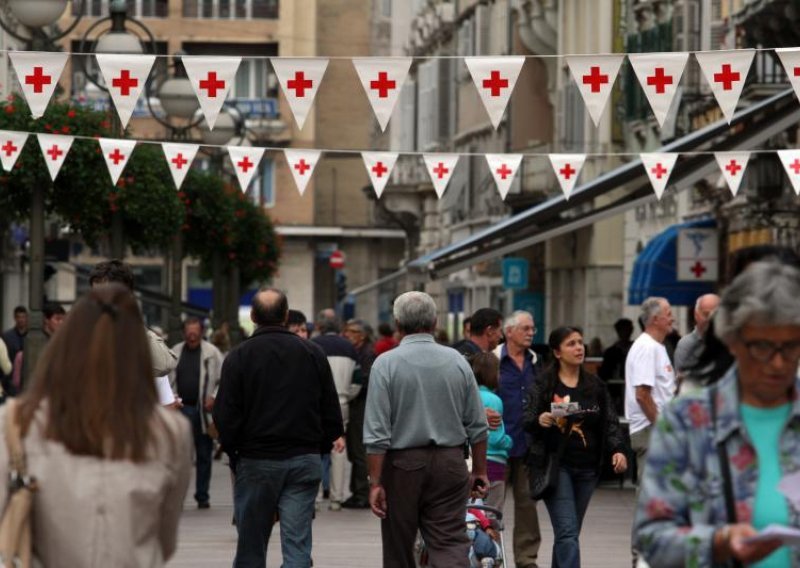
(687, 348)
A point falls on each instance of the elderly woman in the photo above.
(717, 456)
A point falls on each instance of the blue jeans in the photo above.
(566, 507)
(204, 449)
(265, 487)
(326, 471)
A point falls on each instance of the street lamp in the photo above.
(34, 16)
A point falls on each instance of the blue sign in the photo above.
(515, 273)
(533, 303)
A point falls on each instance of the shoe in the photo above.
(354, 503)
(204, 505)
(335, 506)
(326, 493)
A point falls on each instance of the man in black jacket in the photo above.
(276, 411)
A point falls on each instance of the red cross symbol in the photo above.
(212, 84)
(698, 269)
(38, 79)
(504, 172)
(55, 152)
(595, 79)
(797, 71)
(245, 164)
(794, 165)
(9, 148)
(179, 161)
(125, 82)
(733, 167)
(440, 170)
(302, 167)
(383, 85)
(379, 169)
(299, 84)
(659, 80)
(567, 171)
(116, 156)
(659, 170)
(727, 77)
(495, 83)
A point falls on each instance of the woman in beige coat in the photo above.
(112, 466)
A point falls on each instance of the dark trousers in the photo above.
(204, 449)
(356, 452)
(527, 536)
(567, 507)
(426, 491)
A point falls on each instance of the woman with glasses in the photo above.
(721, 458)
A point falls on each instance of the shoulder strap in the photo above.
(16, 453)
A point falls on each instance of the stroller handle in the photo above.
(498, 514)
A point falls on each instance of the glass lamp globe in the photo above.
(37, 13)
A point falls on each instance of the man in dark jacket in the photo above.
(276, 411)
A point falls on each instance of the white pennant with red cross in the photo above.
(245, 161)
(791, 163)
(382, 80)
(54, 149)
(116, 153)
(567, 168)
(179, 159)
(125, 77)
(790, 58)
(504, 168)
(659, 75)
(38, 73)
(11, 144)
(659, 167)
(440, 167)
(595, 76)
(212, 78)
(379, 167)
(299, 78)
(732, 165)
(302, 164)
(726, 72)
(495, 78)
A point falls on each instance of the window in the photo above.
(136, 8)
(251, 80)
(261, 190)
(231, 9)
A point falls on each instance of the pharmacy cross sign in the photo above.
(125, 83)
(116, 156)
(211, 84)
(441, 170)
(382, 84)
(245, 164)
(495, 83)
(698, 269)
(727, 77)
(302, 167)
(659, 80)
(55, 152)
(504, 171)
(299, 84)
(38, 79)
(659, 171)
(595, 79)
(379, 169)
(733, 167)
(179, 161)
(9, 148)
(567, 171)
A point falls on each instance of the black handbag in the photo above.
(544, 480)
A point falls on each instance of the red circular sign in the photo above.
(337, 260)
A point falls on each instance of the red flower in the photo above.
(71, 113)
(744, 458)
(699, 415)
(48, 127)
(65, 129)
(10, 109)
(659, 509)
(105, 124)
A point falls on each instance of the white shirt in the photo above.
(647, 364)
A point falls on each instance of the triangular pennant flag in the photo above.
(54, 149)
(11, 144)
(38, 73)
(595, 76)
(504, 168)
(300, 79)
(495, 78)
(116, 153)
(383, 80)
(791, 163)
(726, 72)
(659, 168)
(567, 168)
(179, 159)
(245, 161)
(212, 78)
(125, 77)
(440, 167)
(732, 165)
(659, 75)
(790, 57)
(379, 167)
(302, 164)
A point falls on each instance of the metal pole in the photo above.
(35, 339)
(218, 290)
(234, 294)
(176, 258)
(117, 228)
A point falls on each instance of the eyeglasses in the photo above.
(764, 351)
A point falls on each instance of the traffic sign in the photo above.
(337, 260)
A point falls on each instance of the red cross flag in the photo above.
(179, 159)
(659, 168)
(732, 165)
(302, 164)
(790, 57)
(791, 163)
(125, 76)
(245, 161)
(659, 75)
(595, 76)
(38, 73)
(116, 153)
(382, 80)
(440, 167)
(504, 168)
(211, 79)
(11, 144)
(54, 149)
(495, 78)
(379, 167)
(299, 79)
(567, 168)
(726, 72)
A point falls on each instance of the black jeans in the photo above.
(356, 452)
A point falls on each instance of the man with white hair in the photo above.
(423, 405)
(687, 348)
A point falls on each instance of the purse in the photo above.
(544, 480)
(16, 544)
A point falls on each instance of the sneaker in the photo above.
(204, 505)
(355, 503)
(335, 506)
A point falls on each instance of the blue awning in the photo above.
(654, 271)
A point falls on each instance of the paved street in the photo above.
(352, 538)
